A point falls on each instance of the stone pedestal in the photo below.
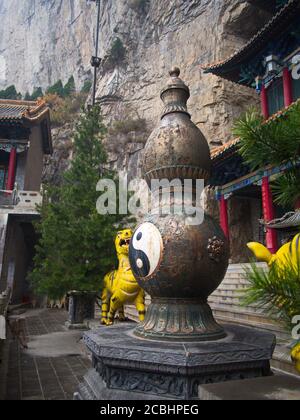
(132, 368)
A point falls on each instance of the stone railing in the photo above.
(29, 199)
(4, 302)
(20, 199)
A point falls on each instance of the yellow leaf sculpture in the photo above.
(287, 254)
(120, 286)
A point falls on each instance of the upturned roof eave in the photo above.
(227, 68)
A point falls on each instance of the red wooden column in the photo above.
(269, 214)
(224, 216)
(287, 87)
(264, 102)
(11, 170)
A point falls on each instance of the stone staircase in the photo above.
(226, 302)
(226, 305)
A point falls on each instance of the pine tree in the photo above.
(56, 89)
(272, 143)
(10, 93)
(117, 52)
(37, 93)
(69, 87)
(76, 247)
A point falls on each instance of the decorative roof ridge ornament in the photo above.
(289, 220)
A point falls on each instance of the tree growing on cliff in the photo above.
(37, 93)
(56, 89)
(10, 93)
(76, 246)
(117, 52)
(69, 87)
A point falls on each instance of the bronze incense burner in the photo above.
(178, 263)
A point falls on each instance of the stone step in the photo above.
(237, 279)
(236, 307)
(240, 268)
(242, 312)
(282, 360)
(255, 322)
(231, 290)
(229, 296)
(277, 387)
(233, 287)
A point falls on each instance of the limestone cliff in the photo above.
(42, 41)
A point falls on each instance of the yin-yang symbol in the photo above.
(145, 250)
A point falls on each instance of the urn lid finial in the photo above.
(176, 94)
(174, 72)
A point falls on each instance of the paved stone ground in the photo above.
(48, 370)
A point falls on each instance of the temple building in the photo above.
(25, 138)
(270, 64)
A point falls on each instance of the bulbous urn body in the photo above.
(176, 149)
(171, 258)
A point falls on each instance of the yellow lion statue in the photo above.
(120, 286)
(287, 254)
(295, 354)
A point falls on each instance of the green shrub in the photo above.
(117, 52)
(139, 6)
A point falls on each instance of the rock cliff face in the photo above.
(178, 32)
(156, 37)
(42, 41)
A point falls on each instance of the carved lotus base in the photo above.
(126, 367)
(180, 320)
